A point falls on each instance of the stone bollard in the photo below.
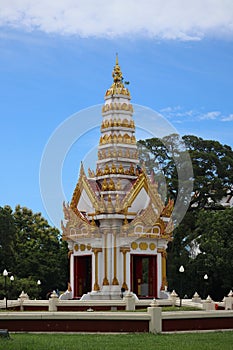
(208, 304)
(129, 301)
(23, 296)
(173, 297)
(229, 301)
(196, 298)
(155, 324)
(53, 301)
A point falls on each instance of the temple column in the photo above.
(124, 250)
(105, 280)
(163, 253)
(115, 280)
(71, 258)
(96, 284)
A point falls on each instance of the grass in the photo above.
(182, 308)
(171, 308)
(188, 341)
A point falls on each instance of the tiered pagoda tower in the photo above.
(117, 226)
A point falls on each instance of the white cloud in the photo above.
(210, 115)
(228, 119)
(179, 112)
(170, 109)
(179, 115)
(162, 19)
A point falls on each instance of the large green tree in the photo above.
(212, 165)
(214, 231)
(7, 238)
(32, 250)
(39, 250)
(213, 171)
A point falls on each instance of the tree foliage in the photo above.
(7, 236)
(32, 250)
(213, 171)
(214, 231)
(212, 165)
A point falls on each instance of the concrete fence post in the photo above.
(23, 296)
(196, 298)
(229, 301)
(173, 297)
(53, 301)
(155, 323)
(129, 301)
(208, 304)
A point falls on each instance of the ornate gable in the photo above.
(84, 189)
(143, 182)
(77, 225)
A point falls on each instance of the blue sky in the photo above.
(57, 59)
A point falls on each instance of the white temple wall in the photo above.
(85, 203)
(142, 198)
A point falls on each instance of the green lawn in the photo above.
(192, 341)
(182, 308)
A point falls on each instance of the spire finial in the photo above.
(117, 74)
(117, 59)
(118, 81)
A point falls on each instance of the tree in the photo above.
(31, 250)
(39, 252)
(181, 251)
(212, 165)
(214, 230)
(213, 171)
(7, 237)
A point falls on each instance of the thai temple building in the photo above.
(116, 225)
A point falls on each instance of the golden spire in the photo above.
(117, 74)
(118, 85)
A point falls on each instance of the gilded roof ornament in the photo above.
(118, 87)
(117, 74)
(167, 211)
(76, 224)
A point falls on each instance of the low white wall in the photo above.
(154, 316)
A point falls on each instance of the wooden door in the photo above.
(82, 275)
(144, 275)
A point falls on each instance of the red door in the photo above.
(144, 275)
(82, 275)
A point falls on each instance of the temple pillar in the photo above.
(115, 280)
(71, 260)
(105, 279)
(96, 284)
(124, 250)
(163, 253)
